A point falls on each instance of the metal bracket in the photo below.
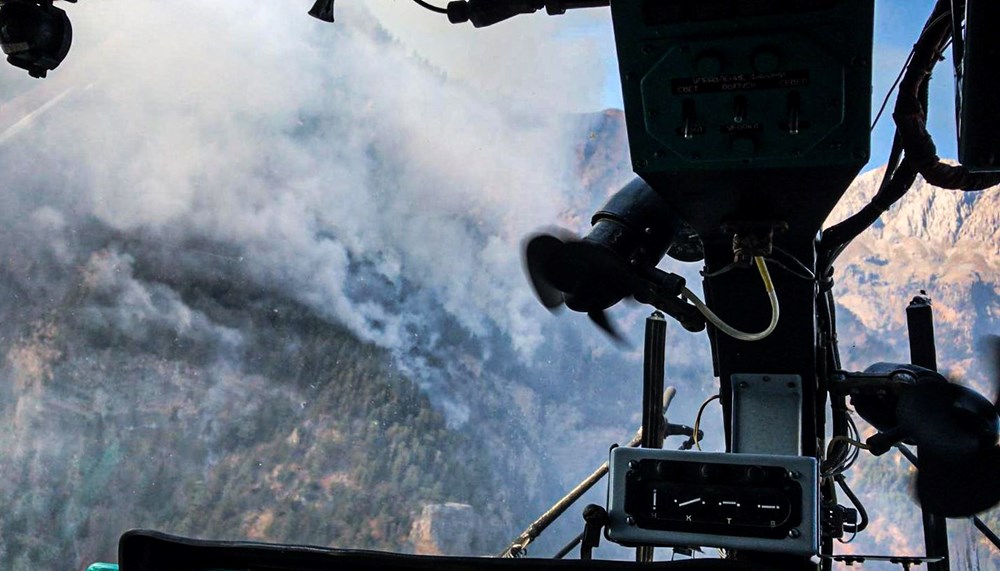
(767, 414)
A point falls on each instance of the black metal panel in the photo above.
(979, 134)
(153, 551)
(747, 110)
(738, 297)
(654, 361)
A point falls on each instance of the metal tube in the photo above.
(654, 358)
(980, 524)
(569, 547)
(920, 329)
(653, 423)
(517, 547)
(985, 530)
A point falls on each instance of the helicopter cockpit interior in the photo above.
(747, 120)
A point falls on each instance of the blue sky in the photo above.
(897, 23)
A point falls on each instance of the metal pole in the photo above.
(980, 524)
(653, 423)
(986, 531)
(654, 359)
(920, 328)
(518, 546)
(569, 546)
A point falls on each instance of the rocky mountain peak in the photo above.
(942, 241)
(929, 213)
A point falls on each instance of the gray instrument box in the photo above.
(739, 501)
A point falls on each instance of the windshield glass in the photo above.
(260, 278)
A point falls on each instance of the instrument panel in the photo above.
(680, 498)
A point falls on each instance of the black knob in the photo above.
(754, 474)
(709, 472)
(663, 469)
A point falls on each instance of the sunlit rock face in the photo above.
(943, 242)
(447, 529)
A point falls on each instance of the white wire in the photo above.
(725, 327)
(851, 450)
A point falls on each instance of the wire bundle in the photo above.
(843, 451)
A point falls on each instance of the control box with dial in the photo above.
(747, 501)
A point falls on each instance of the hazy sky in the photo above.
(564, 63)
(467, 52)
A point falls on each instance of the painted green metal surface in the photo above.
(720, 84)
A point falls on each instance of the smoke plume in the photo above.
(336, 167)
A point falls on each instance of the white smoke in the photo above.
(345, 170)
(330, 166)
(545, 63)
(127, 311)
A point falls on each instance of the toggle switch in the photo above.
(690, 118)
(794, 112)
(739, 109)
